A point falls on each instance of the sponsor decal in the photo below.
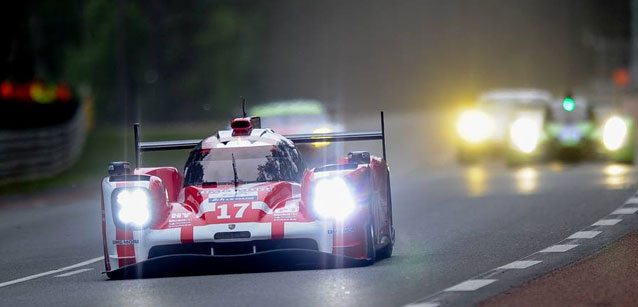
(231, 199)
(239, 191)
(180, 215)
(287, 209)
(180, 219)
(126, 242)
(285, 218)
(287, 213)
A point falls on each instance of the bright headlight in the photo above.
(133, 207)
(474, 126)
(524, 134)
(332, 198)
(614, 133)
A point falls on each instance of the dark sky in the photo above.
(378, 54)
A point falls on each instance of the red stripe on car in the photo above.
(186, 234)
(277, 230)
(126, 251)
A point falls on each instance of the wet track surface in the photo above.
(452, 223)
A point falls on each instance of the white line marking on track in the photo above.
(607, 222)
(521, 264)
(625, 211)
(632, 201)
(73, 272)
(559, 248)
(584, 234)
(470, 285)
(23, 279)
(426, 304)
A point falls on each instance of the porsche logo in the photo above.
(231, 226)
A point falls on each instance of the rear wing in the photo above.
(141, 147)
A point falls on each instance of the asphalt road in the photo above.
(452, 223)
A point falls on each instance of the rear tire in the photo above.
(371, 245)
(386, 251)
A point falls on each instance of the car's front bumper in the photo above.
(138, 245)
(195, 264)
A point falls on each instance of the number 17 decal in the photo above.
(224, 210)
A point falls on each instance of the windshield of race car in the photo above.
(252, 164)
(512, 103)
(581, 112)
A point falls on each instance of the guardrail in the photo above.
(29, 154)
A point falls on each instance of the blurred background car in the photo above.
(617, 138)
(571, 129)
(300, 116)
(579, 130)
(504, 121)
(296, 117)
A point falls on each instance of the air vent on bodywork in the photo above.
(232, 235)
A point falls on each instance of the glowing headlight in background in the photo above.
(133, 207)
(526, 179)
(474, 126)
(332, 198)
(524, 134)
(321, 130)
(614, 133)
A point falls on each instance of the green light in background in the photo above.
(568, 104)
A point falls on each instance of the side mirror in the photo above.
(119, 168)
(359, 157)
(255, 122)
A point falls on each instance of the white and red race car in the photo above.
(245, 194)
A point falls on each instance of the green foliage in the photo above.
(206, 61)
(93, 61)
(173, 60)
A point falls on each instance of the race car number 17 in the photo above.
(223, 210)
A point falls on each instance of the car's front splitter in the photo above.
(195, 264)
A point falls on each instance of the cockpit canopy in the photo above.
(249, 164)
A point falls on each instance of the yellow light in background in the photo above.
(526, 179)
(474, 126)
(321, 130)
(476, 180)
(616, 175)
(614, 133)
(557, 167)
(615, 170)
(524, 134)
